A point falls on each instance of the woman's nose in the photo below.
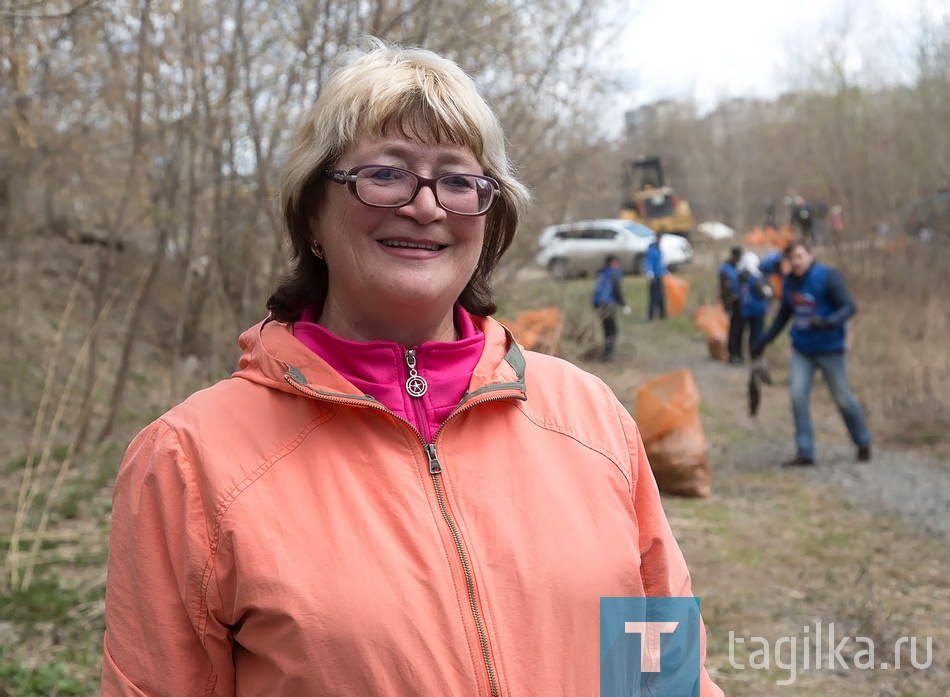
(425, 206)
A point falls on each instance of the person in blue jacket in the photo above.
(607, 297)
(771, 264)
(816, 300)
(655, 271)
(731, 300)
(754, 296)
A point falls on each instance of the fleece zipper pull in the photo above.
(416, 385)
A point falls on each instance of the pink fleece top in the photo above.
(379, 369)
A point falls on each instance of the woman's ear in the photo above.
(315, 245)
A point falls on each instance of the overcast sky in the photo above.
(708, 50)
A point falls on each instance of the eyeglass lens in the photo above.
(457, 193)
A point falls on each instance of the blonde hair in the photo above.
(419, 94)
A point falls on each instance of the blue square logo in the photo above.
(649, 647)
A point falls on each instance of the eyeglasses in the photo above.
(391, 187)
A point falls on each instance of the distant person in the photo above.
(769, 215)
(755, 294)
(801, 217)
(607, 299)
(655, 271)
(729, 295)
(771, 264)
(837, 221)
(815, 297)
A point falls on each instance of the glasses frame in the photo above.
(349, 177)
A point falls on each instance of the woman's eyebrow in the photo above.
(450, 158)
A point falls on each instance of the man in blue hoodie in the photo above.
(815, 297)
(655, 271)
(607, 297)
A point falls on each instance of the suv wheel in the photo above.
(639, 265)
(558, 269)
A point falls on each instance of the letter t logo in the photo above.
(650, 641)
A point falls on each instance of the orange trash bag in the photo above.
(664, 403)
(713, 322)
(680, 462)
(667, 413)
(776, 280)
(776, 283)
(755, 238)
(676, 290)
(537, 330)
(785, 235)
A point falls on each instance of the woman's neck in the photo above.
(407, 328)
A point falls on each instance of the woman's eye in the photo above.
(387, 174)
(458, 181)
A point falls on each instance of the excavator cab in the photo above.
(647, 199)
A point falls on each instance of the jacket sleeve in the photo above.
(160, 638)
(727, 290)
(840, 298)
(778, 324)
(663, 568)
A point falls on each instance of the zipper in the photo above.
(435, 470)
(416, 386)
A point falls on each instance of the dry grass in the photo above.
(899, 359)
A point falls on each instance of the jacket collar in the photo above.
(273, 357)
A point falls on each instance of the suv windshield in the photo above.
(637, 229)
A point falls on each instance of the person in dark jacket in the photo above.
(815, 298)
(608, 296)
(730, 295)
(801, 216)
(655, 271)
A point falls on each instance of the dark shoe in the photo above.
(799, 461)
(735, 360)
(864, 453)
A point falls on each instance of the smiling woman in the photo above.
(390, 497)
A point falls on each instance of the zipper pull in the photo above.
(416, 385)
(435, 467)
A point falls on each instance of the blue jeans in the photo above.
(832, 366)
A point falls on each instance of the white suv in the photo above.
(581, 248)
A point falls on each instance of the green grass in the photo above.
(46, 600)
(57, 650)
(45, 680)
(58, 454)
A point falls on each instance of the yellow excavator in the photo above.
(647, 199)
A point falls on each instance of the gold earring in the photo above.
(318, 251)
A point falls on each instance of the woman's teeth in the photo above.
(412, 245)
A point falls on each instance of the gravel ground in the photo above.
(910, 484)
(913, 486)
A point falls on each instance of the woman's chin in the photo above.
(423, 293)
